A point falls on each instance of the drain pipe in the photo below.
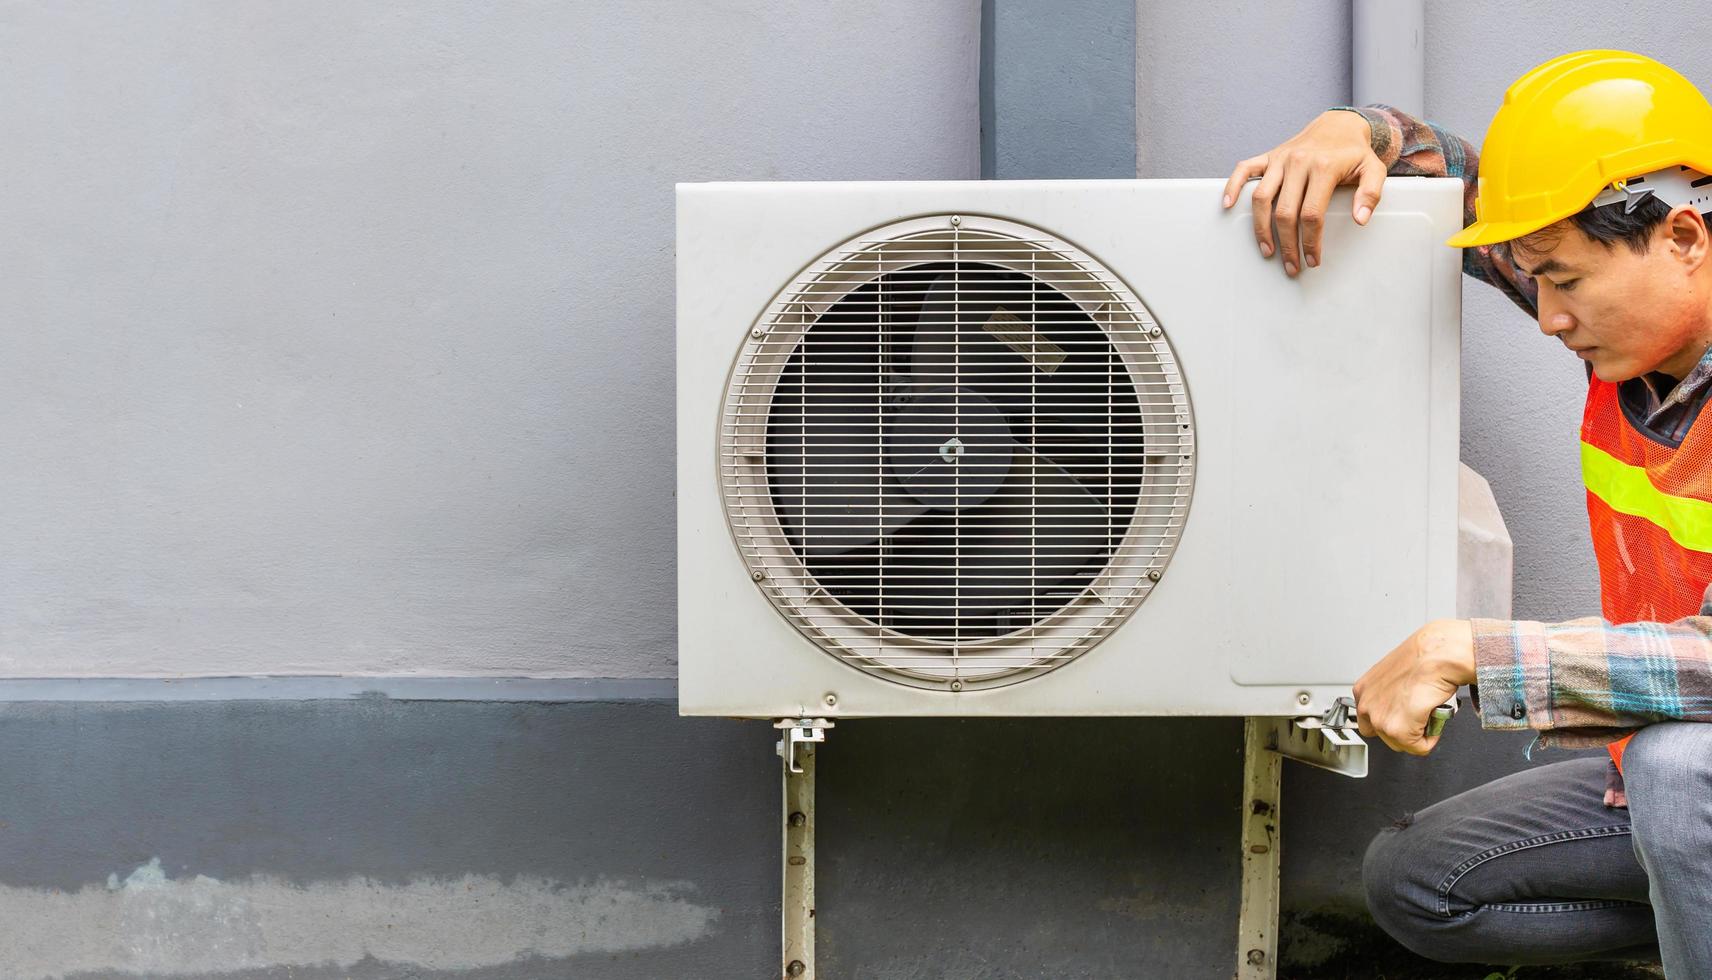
(1387, 57)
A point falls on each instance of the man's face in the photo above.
(1626, 313)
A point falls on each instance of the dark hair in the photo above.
(1607, 226)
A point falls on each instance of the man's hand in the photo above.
(1297, 178)
(1397, 695)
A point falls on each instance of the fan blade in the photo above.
(994, 569)
(825, 469)
(979, 327)
(1042, 527)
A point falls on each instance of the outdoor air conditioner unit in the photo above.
(1055, 448)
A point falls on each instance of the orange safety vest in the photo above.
(1649, 506)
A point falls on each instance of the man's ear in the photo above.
(1687, 232)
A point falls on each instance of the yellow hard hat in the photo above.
(1573, 126)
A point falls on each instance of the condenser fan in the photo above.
(954, 449)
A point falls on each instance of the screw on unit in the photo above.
(1303, 698)
(757, 575)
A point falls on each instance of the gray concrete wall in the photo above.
(1225, 79)
(384, 839)
(338, 338)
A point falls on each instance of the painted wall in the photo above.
(338, 338)
(1225, 79)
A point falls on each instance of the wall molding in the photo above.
(339, 688)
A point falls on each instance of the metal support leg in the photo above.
(1257, 915)
(797, 740)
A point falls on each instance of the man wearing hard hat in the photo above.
(1587, 211)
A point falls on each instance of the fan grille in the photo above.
(956, 452)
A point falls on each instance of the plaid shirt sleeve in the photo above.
(1411, 147)
(1587, 682)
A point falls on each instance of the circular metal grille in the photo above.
(956, 452)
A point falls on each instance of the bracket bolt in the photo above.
(795, 969)
(1256, 957)
(757, 575)
(1304, 698)
(797, 819)
(831, 700)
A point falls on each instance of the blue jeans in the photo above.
(1534, 868)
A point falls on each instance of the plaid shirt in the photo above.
(1584, 682)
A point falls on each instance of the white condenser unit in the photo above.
(1055, 448)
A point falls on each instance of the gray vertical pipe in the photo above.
(1387, 59)
(1057, 89)
(989, 106)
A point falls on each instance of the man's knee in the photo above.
(1669, 755)
(1667, 775)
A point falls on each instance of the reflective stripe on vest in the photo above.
(1628, 490)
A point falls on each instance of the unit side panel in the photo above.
(1333, 473)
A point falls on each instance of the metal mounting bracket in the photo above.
(796, 748)
(1257, 907)
(798, 731)
(1329, 741)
